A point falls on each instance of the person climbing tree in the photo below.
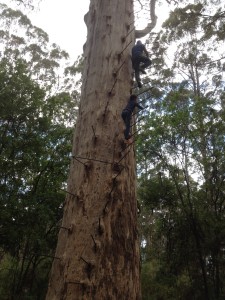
(140, 61)
(126, 116)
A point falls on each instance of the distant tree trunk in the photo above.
(97, 255)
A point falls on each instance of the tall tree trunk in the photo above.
(97, 255)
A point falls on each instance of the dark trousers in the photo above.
(126, 115)
(142, 60)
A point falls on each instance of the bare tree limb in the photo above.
(140, 4)
(150, 26)
(173, 1)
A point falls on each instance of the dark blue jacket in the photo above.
(131, 106)
(137, 50)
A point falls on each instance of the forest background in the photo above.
(180, 153)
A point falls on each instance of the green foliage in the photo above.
(181, 160)
(181, 154)
(183, 20)
(35, 147)
(48, 64)
(38, 108)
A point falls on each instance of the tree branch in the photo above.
(150, 26)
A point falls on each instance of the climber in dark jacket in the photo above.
(126, 115)
(140, 61)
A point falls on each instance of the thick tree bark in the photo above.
(97, 255)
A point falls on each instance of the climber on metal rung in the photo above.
(140, 61)
(126, 115)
